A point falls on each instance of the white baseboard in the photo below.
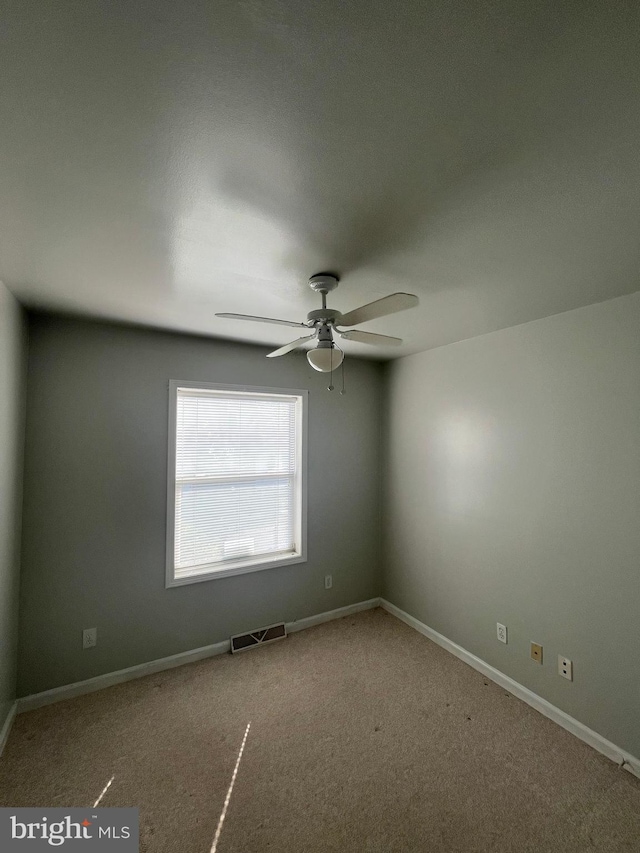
(99, 682)
(310, 621)
(601, 744)
(6, 727)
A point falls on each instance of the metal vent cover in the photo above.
(242, 642)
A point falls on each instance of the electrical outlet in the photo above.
(328, 581)
(565, 668)
(89, 638)
(501, 632)
(536, 652)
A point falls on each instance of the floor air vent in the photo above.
(242, 642)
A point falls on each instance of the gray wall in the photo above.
(13, 349)
(513, 495)
(95, 493)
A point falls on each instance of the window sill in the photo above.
(207, 573)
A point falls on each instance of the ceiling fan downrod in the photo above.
(323, 283)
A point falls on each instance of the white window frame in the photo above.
(238, 567)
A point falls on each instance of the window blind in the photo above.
(235, 487)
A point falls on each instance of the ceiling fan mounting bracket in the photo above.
(323, 282)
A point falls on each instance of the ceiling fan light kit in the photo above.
(326, 356)
(325, 359)
(324, 322)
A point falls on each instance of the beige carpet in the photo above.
(365, 736)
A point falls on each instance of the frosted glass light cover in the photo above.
(325, 359)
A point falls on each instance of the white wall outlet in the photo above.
(89, 638)
(501, 631)
(565, 668)
(328, 581)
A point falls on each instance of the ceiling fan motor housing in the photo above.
(323, 316)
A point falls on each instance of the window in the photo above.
(236, 491)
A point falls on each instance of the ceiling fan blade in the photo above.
(261, 319)
(288, 347)
(380, 308)
(370, 338)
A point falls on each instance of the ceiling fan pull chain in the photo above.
(343, 391)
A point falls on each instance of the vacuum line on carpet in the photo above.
(104, 791)
(228, 797)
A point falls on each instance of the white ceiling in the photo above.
(161, 161)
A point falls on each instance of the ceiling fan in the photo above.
(324, 322)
